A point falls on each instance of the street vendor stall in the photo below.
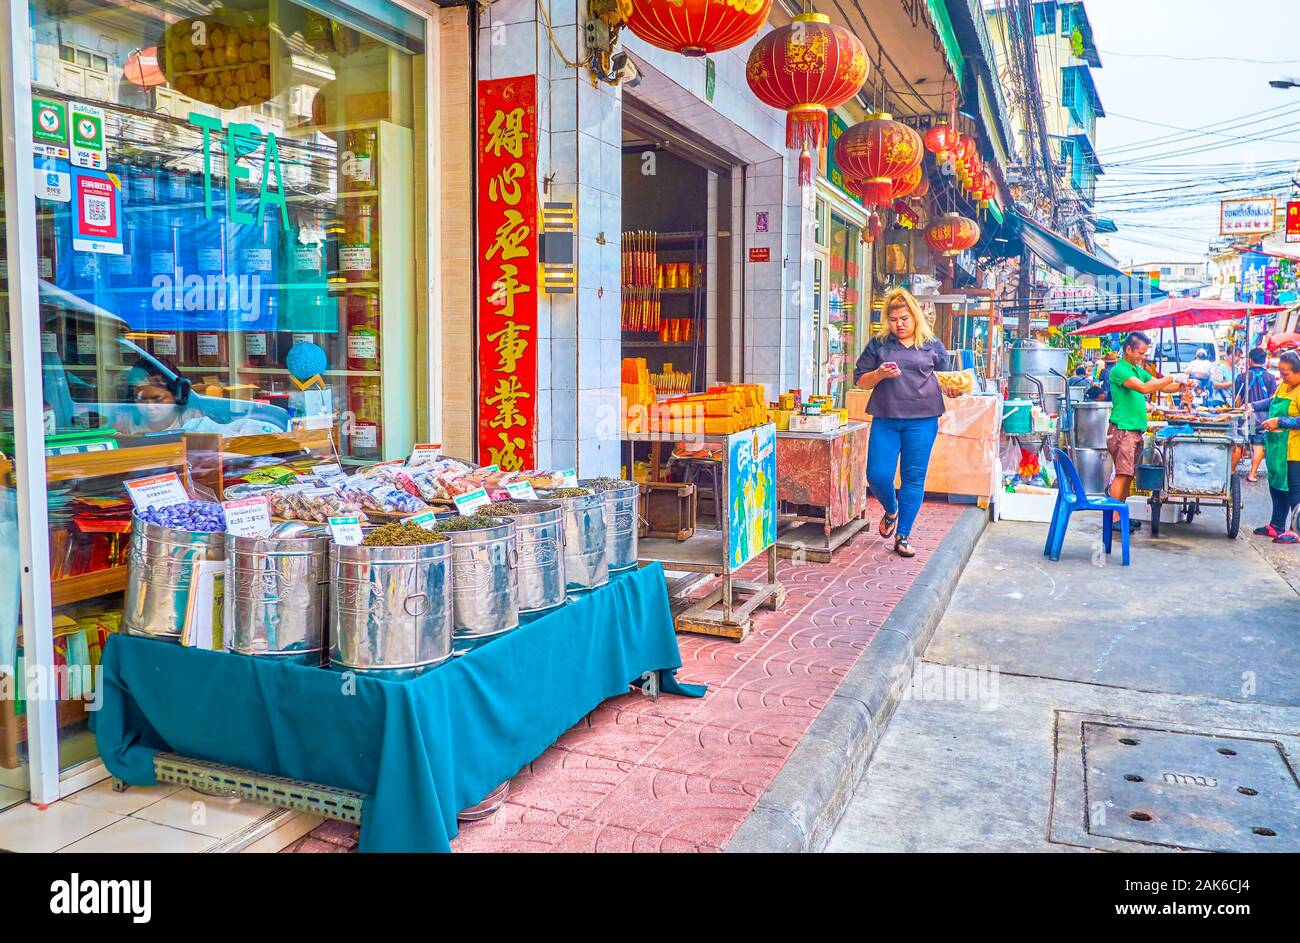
(745, 478)
(822, 490)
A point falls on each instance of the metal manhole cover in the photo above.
(1189, 790)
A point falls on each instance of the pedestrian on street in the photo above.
(1255, 388)
(1130, 385)
(1103, 379)
(899, 366)
(1282, 451)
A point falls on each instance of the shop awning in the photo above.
(1117, 291)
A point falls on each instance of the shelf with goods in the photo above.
(664, 320)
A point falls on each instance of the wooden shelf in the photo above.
(114, 461)
(74, 589)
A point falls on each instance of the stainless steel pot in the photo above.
(539, 532)
(166, 570)
(277, 596)
(390, 608)
(621, 510)
(485, 580)
(1096, 469)
(586, 548)
(1036, 359)
(1090, 422)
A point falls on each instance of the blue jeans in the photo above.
(902, 444)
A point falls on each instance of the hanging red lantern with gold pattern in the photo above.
(906, 185)
(940, 141)
(805, 69)
(922, 188)
(876, 152)
(694, 27)
(962, 152)
(952, 233)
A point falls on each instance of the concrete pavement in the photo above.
(1178, 677)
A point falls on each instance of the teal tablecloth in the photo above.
(420, 750)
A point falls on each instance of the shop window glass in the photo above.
(843, 335)
(228, 249)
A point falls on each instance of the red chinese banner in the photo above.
(507, 260)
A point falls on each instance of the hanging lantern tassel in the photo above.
(805, 166)
(806, 128)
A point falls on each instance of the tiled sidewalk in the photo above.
(681, 774)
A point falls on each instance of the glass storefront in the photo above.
(840, 330)
(228, 239)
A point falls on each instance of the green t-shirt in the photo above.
(1129, 409)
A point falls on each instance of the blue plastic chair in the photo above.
(1070, 498)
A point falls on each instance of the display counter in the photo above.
(822, 490)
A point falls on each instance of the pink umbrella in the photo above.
(1175, 313)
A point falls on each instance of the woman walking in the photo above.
(899, 366)
(1282, 451)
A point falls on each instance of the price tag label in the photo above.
(471, 501)
(425, 519)
(490, 468)
(327, 470)
(424, 453)
(570, 477)
(346, 530)
(250, 517)
(523, 490)
(157, 491)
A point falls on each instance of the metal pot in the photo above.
(1036, 359)
(1090, 422)
(166, 580)
(277, 596)
(621, 512)
(391, 608)
(539, 532)
(485, 580)
(1096, 469)
(586, 548)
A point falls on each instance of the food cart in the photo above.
(822, 492)
(1194, 470)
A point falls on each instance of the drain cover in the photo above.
(1189, 790)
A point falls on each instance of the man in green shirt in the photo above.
(1130, 385)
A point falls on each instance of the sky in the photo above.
(1193, 64)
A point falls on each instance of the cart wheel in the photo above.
(1233, 512)
(1155, 516)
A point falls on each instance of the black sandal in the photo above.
(887, 524)
(903, 548)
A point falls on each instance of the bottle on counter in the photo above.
(364, 441)
(363, 331)
(210, 348)
(260, 349)
(357, 246)
(360, 160)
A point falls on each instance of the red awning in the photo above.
(1176, 312)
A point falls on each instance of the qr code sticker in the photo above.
(96, 209)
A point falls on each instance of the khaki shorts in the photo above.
(1125, 447)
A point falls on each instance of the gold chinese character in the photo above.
(506, 132)
(510, 237)
(507, 456)
(508, 392)
(510, 346)
(504, 290)
(505, 185)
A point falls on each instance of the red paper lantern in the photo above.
(694, 27)
(985, 190)
(806, 68)
(922, 188)
(952, 233)
(962, 152)
(876, 152)
(940, 140)
(906, 185)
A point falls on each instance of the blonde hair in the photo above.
(899, 298)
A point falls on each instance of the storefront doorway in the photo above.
(840, 325)
(228, 227)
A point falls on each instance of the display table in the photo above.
(824, 472)
(748, 481)
(418, 751)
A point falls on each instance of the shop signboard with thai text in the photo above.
(508, 267)
(1293, 221)
(1246, 217)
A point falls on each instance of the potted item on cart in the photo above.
(586, 549)
(485, 558)
(176, 554)
(391, 602)
(539, 537)
(277, 594)
(621, 514)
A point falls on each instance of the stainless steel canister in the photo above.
(621, 510)
(1095, 467)
(485, 579)
(277, 596)
(167, 568)
(539, 532)
(390, 608)
(586, 549)
(1090, 423)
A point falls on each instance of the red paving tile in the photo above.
(681, 774)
